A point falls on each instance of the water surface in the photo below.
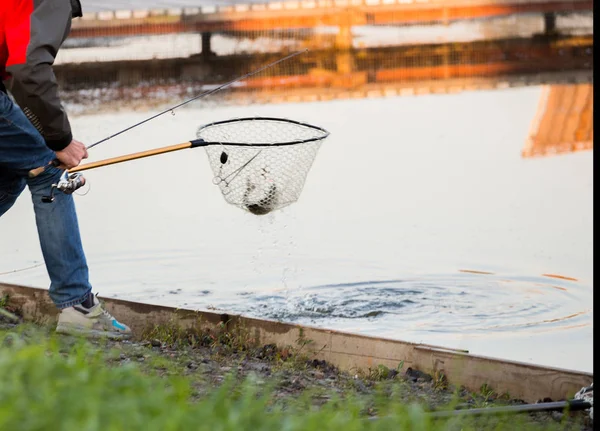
(420, 220)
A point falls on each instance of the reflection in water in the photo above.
(322, 75)
(396, 67)
(472, 271)
(559, 276)
(563, 122)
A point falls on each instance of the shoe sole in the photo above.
(91, 333)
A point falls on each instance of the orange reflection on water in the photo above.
(564, 121)
(562, 277)
(472, 271)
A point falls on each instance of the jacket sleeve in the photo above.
(34, 33)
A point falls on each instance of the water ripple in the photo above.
(464, 303)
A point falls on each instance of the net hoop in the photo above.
(260, 164)
(323, 134)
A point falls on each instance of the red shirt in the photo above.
(15, 32)
(31, 33)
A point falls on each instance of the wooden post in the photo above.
(206, 52)
(549, 24)
(343, 40)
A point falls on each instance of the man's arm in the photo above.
(34, 33)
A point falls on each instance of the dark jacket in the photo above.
(31, 33)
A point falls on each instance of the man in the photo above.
(33, 134)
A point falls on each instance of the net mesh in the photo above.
(261, 164)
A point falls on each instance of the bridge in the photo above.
(309, 14)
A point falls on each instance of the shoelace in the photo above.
(104, 312)
(107, 314)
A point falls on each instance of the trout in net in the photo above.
(260, 163)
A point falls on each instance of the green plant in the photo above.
(486, 391)
(440, 381)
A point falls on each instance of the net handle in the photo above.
(133, 156)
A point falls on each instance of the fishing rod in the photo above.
(557, 406)
(206, 93)
(583, 400)
(68, 184)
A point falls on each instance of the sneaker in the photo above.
(92, 321)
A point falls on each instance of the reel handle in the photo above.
(68, 184)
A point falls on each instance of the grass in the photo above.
(55, 382)
(4, 313)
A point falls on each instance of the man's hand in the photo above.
(72, 155)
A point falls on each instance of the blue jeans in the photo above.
(22, 148)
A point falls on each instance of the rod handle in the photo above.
(35, 172)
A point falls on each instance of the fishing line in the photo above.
(218, 179)
(22, 269)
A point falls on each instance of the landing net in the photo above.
(260, 164)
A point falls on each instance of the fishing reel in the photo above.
(68, 184)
